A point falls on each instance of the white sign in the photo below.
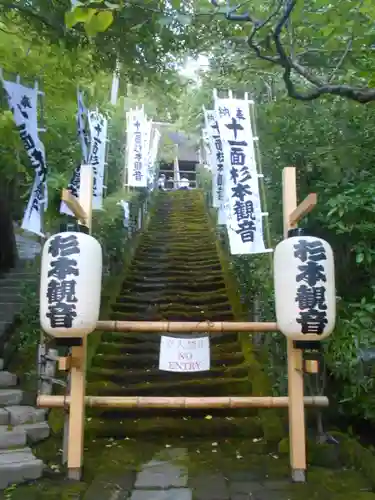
(244, 214)
(184, 354)
(98, 133)
(137, 156)
(217, 164)
(23, 102)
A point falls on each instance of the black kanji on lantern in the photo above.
(311, 273)
(61, 291)
(310, 298)
(312, 250)
(63, 267)
(312, 321)
(61, 315)
(64, 246)
(61, 288)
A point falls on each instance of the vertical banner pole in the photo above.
(297, 433)
(78, 370)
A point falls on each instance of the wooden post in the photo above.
(297, 433)
(78, 369)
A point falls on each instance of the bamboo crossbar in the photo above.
(185, 326)
(44, 401)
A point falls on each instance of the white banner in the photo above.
(152, 158)
(98, 133)
(137, 164)
(244, 215)
(23, 102)
(217, 164)
(184, 354)
(82, 127)
(125, 206)
(84, 139)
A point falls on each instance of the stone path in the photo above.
(166, 477)
(225, 470)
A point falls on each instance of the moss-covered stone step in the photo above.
(171, 316)
(183, 284)
(218, 299)
(113, 359)
(207, 258)
(205, 387)
(220, 339)
(164, 307)
(122, 346)
(189, 274)
(247, 427)
(172, 267)
(128, 376)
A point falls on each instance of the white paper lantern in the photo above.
(70, 284)
(305, 295)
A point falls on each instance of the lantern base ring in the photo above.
(68, 341)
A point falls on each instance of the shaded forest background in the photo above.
(309, 66)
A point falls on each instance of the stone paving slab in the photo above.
(170, 494)
(118, 487)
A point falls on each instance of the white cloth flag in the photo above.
(217, 164)
(137, 164)
(84, 139)
(125, 206)
(98, 132)
(152, 158)
(23, 102)
(244, 215)
(82, 127)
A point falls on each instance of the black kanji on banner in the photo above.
(243, 207)
(219, 160)
(61, 290)
(311, 293)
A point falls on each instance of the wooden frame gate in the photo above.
(75, 364)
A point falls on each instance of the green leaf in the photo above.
(78, 15)
(100, 22)
(360, 257)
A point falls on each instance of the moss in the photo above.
(355, 455)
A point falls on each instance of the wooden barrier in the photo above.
(46, 401)
(185, 326)
(75, 364)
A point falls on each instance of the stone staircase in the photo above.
(176, 275)
(20, 426)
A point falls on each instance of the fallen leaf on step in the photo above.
(208, 417)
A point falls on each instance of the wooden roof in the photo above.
(188, 146)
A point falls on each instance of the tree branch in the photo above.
(28, 12)
(290, 65)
